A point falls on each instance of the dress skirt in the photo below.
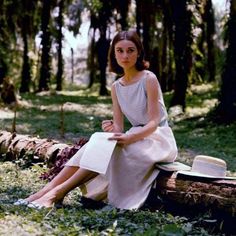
(131, 171)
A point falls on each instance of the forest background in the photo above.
(184, 42)
(190, 46)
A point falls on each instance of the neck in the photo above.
(130, 74)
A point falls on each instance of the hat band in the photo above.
(208, 169)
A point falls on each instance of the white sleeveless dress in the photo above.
(132, 171)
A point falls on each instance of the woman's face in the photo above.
(126, 54)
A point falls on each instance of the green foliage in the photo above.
(94, 6)
(83, 111)
(74, 219)
(196, 131)
(40, 114)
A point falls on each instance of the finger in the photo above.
(114, 138)
(106, 125)
(117, 134)
(109, 129)
(110, 122)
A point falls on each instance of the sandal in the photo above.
(36, 205)
(21, 202)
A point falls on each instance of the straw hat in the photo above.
(207, 167)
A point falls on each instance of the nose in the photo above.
(125, 55)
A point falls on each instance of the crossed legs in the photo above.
(69, 178)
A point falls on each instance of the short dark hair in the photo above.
(141, 64)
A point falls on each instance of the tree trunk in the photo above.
(138, 18)
(123, 8)
(181, 51)
(59, 47)
(25, 74)
(226, 110)
(219, 195)
(164, 60)
(210, 32)
(3, 69)
(72, 65)
(145, 20)
(46, 46)
(102, 52)
(91, 64)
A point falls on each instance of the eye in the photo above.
(119, 50)
(130, 50)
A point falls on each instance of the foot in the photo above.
(35, 196)
(26, 201)
(50, 199)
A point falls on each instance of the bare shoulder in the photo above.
(114, 85)
(151, 78)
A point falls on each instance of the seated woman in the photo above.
(137, 96)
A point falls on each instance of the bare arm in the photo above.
(117, 124)
(153, 115)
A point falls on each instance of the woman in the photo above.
(137, 96)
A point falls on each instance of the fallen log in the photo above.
(15, 146)
(200, 193)
(187, 191)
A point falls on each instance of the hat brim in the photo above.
(196, 174)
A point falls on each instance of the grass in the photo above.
(83, 112)
(74, 219)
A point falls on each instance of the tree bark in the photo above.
(45, 70)
(217, 195)
(182, 52)
(226, 110)
(25, 74)
(210, 32)
(199, 193)
(60, 23)
(14, 146)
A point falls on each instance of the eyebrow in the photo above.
(128, 47)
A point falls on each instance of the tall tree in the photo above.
(26, 73)
(145, 20)
(210, 33)
(60, 23)
(199, 52)
(226, 110)
(102, 52)
(45, 70)
(19, 18)
(7, 29)
(166, 57)
(102, 14)
(122, 7)
(28, 27)
(73, 13)
(91, 61)
(182, 52)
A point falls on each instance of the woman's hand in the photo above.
(122, 139)
(107, 125)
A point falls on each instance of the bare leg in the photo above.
(59, 191)
(63, 175)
